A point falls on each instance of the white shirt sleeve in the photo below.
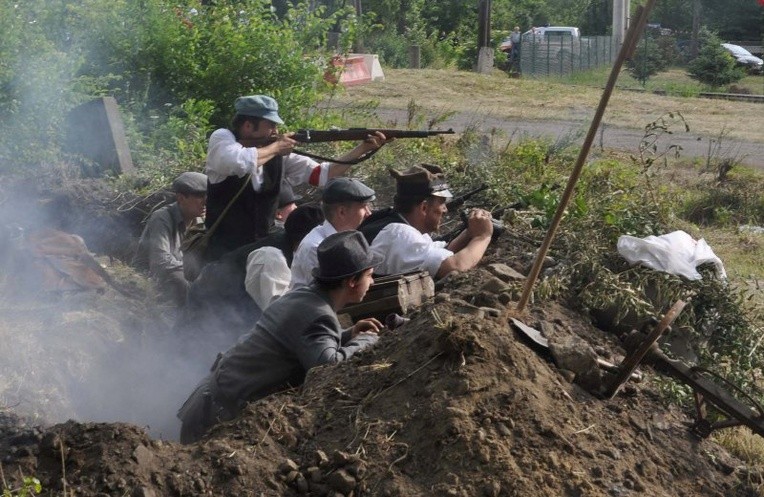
(267, 275)
(405, 249)
(299, 170)
(227, 157)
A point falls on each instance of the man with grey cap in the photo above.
(346, 202)
(297, 332)
(246, 166)
(402, 234)
(159, 248)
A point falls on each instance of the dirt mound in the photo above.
(452, 403)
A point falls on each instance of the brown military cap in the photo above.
(424, 179)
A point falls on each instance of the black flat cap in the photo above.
(346, 190)
(343, 254)
(424, 179)
(190, 183)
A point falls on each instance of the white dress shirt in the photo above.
(405, 249)
(306, 255)
(267, 276)
(227, 157)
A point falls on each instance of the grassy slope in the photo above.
(501, 97)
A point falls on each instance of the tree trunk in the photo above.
(695, 42)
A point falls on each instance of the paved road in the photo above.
(693, 145)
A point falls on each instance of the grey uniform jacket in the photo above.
(298, 331)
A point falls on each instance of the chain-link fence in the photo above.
(558, 55)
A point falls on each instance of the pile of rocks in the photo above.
(339, 476)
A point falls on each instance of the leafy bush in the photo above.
(714, 66)
(647, 60)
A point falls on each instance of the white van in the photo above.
(552, 33)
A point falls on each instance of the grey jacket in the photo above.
(298, 331)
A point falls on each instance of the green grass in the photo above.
(674, 81)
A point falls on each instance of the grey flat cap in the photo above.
(190, 182)
(346, 190)
(258, 106)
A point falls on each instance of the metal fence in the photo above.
(555, 55)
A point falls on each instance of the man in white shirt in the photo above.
(401, 234)
(246, 166)
(346, 202)
(268, 274)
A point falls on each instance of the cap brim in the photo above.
(376, 260)
(443, 193)
(274, 118)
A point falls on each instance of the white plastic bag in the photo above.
(675, 253)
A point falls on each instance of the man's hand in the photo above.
(373, 142)
(479, 224)
(369, 325)
(284, 144)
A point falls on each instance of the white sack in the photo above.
(675, 253)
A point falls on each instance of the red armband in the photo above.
(315, 176)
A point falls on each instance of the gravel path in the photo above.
(693, 145)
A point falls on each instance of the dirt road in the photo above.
(693, 145)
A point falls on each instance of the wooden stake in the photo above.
(632, 36)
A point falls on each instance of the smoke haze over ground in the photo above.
(85, 354)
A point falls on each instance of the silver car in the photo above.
(744, 58)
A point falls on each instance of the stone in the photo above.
(320, 459)
(494, 285)
(302, 485)
(341, 481)
(288, 466)
(142, 455)
(505, 273)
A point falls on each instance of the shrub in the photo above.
(714, 66)
(647, 60)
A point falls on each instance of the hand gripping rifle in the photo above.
(349, 134)
(457, 202)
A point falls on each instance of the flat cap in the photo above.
(190, 182)
(424, 179)
(287, 195)
(261, 106)
(346, 190)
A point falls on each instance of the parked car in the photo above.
(552, 33)
(744, 58)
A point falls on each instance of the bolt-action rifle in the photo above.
(349, 134)
(457, 202)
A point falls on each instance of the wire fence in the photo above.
(556, 55)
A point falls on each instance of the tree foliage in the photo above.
(714, 66)
(162, 61)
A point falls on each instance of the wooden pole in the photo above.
(630, 41)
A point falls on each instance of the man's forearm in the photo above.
(466, 258)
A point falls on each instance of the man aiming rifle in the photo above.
(247, 163)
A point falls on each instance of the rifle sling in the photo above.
(351, 162)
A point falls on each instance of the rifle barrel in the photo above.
(355, 134)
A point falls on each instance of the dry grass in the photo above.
(497, 96)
